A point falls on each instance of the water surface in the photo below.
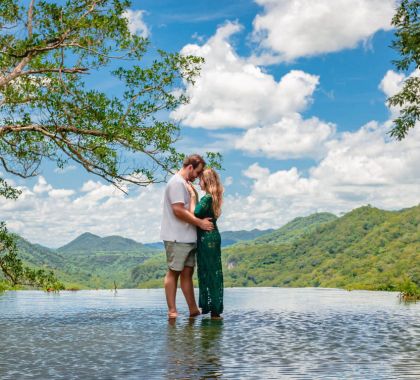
(267, 333)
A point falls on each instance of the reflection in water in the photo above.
(193, 349)
(266, 334)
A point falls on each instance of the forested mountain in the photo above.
(232, 237)
(366, 248)
(89, 260)
(88, 242)
(228, 237)
(294, 229)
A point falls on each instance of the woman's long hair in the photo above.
(214, 187)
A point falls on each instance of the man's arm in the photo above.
(182, 213)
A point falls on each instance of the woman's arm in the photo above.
(193, 197)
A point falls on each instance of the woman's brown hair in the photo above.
(214, 187)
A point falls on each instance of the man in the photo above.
(178, 231)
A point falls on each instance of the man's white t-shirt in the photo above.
(173, 228)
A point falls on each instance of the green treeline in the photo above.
(367, 248)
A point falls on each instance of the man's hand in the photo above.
(206, 224)
(187, 216)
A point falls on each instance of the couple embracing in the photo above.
(190, 235)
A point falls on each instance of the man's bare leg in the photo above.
(171, 284)
(188, 290)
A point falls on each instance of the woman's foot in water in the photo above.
(215, 316)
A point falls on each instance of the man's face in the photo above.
(195, 173)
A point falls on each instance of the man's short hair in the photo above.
(195, 160)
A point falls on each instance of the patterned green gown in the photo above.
(209, 261)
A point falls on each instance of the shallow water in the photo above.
(267, 333)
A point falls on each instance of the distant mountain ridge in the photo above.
(295, 228)
(367, 248)
(228, 237)
(233, 237)
(89, 242)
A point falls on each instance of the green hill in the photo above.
(233, 237)
(367, 248)
(151, 272)
(228, 237)
(88, 242)
(88, 261)
(38, 256)
(294, 229)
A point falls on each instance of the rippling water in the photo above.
(267, 333)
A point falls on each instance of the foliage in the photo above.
(365, 249)
(16, 273)
(89, 261)
(409, 290)
(296, 228)
(407, 43)
(48, 111)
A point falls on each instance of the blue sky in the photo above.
(292, 94)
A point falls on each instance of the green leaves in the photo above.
(407, 43)
(16, 273)
(47, 112)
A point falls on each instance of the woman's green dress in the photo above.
(209, 261)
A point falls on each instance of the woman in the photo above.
(209, 261)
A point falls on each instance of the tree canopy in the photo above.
(407, 44)
(49, 110)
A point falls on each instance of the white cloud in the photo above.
(291, 137)
(231, 92)
(359, 167)
(289, 29)
(53, 217)
(66, 169)
(60, 193)
(392, 83)
(42, 186)
(136, 24)
(228, 181)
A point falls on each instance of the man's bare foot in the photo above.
(216, 316)
(172, 314)
(195, 313)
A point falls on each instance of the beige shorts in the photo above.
(180, 255)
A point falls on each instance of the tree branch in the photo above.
(30, 16)
(75, 70)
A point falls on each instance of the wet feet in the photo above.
(172, 314)
(195, 313)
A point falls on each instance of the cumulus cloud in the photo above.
(285, 30)
(136, 24)
(231, 92)
(361, 167)
(228, 181)
(291, 137)
(52, 217)
(392, 83)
